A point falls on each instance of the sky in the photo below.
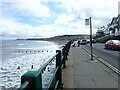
(48, 18)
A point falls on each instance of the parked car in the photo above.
(83, 41)
(113, 44)
(88, 40)
(93, 41)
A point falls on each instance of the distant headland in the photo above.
(62, 37)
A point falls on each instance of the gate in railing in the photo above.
(32, 80)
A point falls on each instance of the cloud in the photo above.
(32, 8)
(101, 11)
(10, 27)
(93, 8)
(94, 4)
(70, 21)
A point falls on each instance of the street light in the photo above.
(89, 22)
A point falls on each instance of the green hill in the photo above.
(62, 37)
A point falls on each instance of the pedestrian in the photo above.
(73, 45)
(78, 43)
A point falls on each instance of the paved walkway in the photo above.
(81, 72)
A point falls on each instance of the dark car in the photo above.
(113, 44)
(93, 41)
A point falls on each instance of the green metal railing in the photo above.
(32, 80)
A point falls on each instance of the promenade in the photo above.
(81, 72)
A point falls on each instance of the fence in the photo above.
(32, 80)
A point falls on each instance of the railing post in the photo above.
(66, 51)
(68, 47)
(59, 72)
(64, 57)
(34, 78)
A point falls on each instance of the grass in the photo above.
(103, 39)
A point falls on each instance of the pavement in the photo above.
(83, 73)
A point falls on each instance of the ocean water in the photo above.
(18, 57)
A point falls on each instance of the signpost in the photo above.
(89, 22)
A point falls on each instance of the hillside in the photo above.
(62, 37)
(106, 38)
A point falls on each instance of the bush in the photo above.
(104, 39)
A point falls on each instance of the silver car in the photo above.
(83, 41)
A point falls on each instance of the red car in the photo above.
(113, 44)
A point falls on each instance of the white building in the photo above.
(114, 27)
(117, 32)
(119, 7)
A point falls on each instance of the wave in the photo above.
(22, 44)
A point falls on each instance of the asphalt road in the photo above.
(111, 56)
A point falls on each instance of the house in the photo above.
(117, 32)
(113, 27)
(101, 31)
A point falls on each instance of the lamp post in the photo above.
(89, 22)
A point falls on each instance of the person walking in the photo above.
(78, 43)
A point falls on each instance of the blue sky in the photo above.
(39, 18)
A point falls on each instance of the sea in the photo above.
(19, 56)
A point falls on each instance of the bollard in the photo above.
(32, 67)
(48, 69)
(18, 67)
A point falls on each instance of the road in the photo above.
(111, 56)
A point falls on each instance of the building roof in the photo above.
(113, 20)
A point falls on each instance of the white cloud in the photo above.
(10, 27)
(32, 8)
(77, 4)
(13, 28)
(101, 12)
(102, 6)
(70, 22)
(64, 18)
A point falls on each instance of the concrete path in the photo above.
(81, 72)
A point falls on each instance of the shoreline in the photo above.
(59, 42)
